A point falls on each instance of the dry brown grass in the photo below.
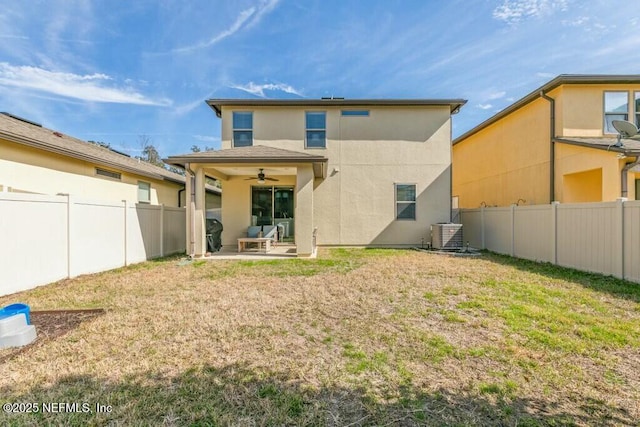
(356, 337)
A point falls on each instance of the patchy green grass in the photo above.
(354, 337)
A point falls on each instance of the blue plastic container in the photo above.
(16, 308)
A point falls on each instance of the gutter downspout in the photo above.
(180, 194)
(552, 146)
(192, 208)
(623, 177)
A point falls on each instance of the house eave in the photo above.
(581, 143)
(76, 155)
(217, 104)
(560, 80)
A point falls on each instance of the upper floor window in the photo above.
(637, 107)
(242, 128)
(144, 192)
(316, 125)
(406, 201)
(355, 113)
(616, 107)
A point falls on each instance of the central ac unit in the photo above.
(446, 236)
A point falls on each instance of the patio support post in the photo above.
(200, 214)
(304, 211)
(190, 207)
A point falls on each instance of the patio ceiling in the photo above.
(254, 170)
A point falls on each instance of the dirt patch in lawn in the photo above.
(51, 324)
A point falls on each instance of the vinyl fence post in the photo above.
(126, 231)
(482, 233)
(70, 203)
(161, 230)
(620, 232)
(554, 233)
(513, 230)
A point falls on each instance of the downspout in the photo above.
(180, 195)
(623, 178)
(192, 209)
(552, 146)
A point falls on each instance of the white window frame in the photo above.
(407, 202)
(148, 190)
(636, 107)
(307, 129)
(605, 131)
(234, 129)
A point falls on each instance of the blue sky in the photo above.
(112, 71)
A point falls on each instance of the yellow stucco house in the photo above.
(333, 171)
(555, 144)
(34, 159)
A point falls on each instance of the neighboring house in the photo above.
(361, 172)
(555, 144)
(34, 159)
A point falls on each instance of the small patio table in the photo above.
(242, 243)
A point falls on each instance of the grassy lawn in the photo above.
(355, 337)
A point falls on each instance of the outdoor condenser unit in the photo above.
(446, 236)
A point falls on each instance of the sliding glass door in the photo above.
(273, 205)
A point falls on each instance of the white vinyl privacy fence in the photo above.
(48, 238)
(596, 237)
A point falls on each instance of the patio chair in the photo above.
(273, 232)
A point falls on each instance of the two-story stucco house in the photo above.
(360, 172)
(557, 143)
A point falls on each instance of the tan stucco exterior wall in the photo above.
(509, 160)
(355, 203)
(28, 169)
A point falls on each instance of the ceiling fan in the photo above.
(262, 178)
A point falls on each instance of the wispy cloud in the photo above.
(184, 109)
(258, 90)
(88, 87)
(12, 36)
(484, 106)
(246, 19)
(496, 95)
(515, 11)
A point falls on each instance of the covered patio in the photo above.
(261, 187)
